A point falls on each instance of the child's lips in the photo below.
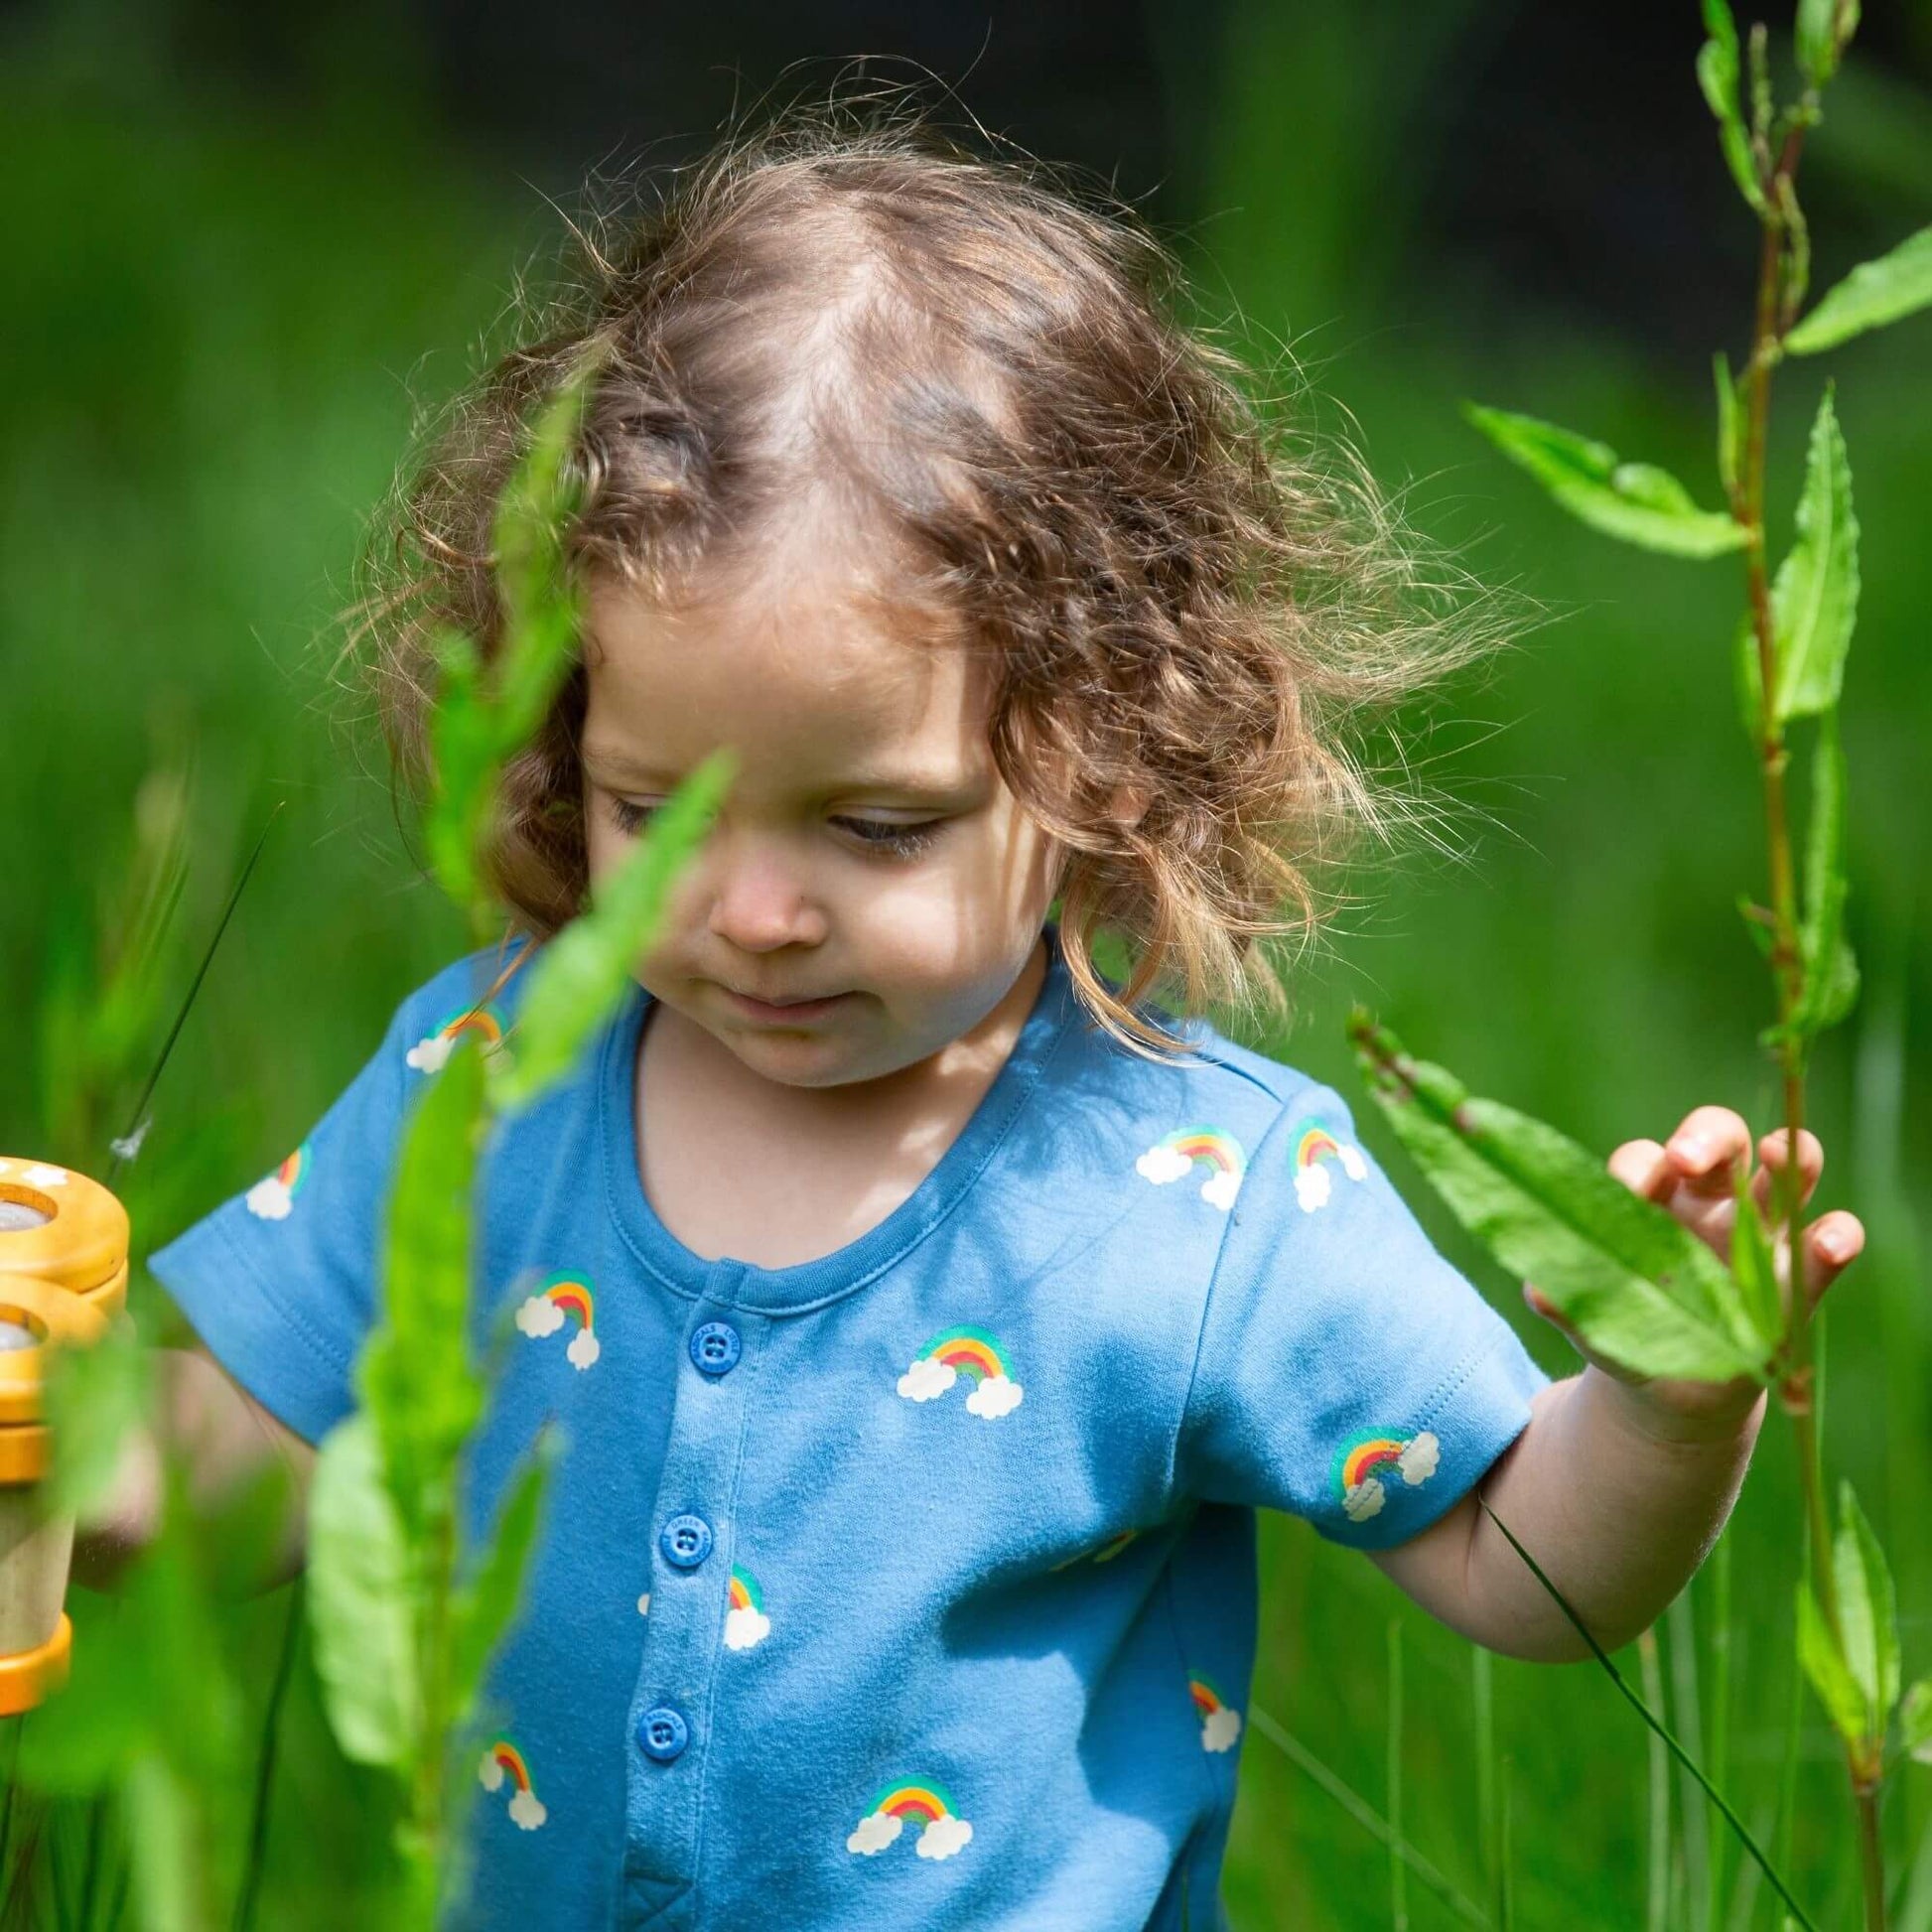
(786, 1013)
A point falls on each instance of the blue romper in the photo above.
(913, 1585)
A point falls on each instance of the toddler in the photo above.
(928, 1310)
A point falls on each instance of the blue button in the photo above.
(685, 1541)
(716, 1348)
(663, 1733)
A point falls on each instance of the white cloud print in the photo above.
(1353, 1163)
(926, 1378)
(944, 1837)
(270, 1200)
(584, 1348)
(1312, 1187)
(537, 1315)
(1420, 1458)
(489, 1774)
(430, 1056)
(527, 1811)
(1220, 1729)
(1220, 1188)
(1364, 1500)
(875, 1831)
(996, 1396)
(746, 1628)
(1161, 1164)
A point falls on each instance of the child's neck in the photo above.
(738, 1164)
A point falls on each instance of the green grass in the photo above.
(218, 310)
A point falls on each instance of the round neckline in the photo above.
(806, 1284)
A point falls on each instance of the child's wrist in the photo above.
(1722, 1415)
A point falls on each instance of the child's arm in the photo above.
(1617, 1487)
(224, 1440)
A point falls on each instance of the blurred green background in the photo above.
(238, 247)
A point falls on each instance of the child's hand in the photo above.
(1692, 1176)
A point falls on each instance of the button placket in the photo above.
(674, 1714)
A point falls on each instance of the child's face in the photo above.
(869, 863)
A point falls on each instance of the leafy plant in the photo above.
(1622, 1271)
(388, 1579)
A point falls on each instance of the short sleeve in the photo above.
(1346, 1371)
(280, 1283)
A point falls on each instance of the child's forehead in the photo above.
(819, 666)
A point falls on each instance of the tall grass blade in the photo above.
(1682, 1625)
(1370, 1820)
(1398, 1873)
(1482, 1674)
(1657, 1845)
(249, 1890)
(1717, 1749)
(1655, 1722)
(126, 1148)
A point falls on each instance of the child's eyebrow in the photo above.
(947, 782)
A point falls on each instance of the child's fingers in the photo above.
(1707, 1147)
(1646, 1169)
(1832, 1243)
(1767, 1187)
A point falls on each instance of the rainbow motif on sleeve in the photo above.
(1316, 1150)
(746, 1623)
(1174, 1158)
(1367, 1463)
(502, 1764)
(483, 1023)
(272, 1199)
(968, 1352)
(551, 1307)
(942, 1832)
(1220, 1723)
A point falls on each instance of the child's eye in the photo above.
(628, 816)
(899, 841)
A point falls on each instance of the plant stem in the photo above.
(1775, 304)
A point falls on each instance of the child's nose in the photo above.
(758, 899)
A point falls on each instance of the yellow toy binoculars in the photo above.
(63, 1278)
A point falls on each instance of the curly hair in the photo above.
(1188, 615)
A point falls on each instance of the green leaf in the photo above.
(1634, 1281)
(1718, 77)
(1750, 679)
(414, 1376)
(1915, 1721)
(1831, 971)
(490, 1602)
(1817, 37)
(541, 606)
(96, 1398)
(361, 1601)
(1824, 1664)
(1634, 502)
(579, 977)
(1730, 423)
(1873, 294)
(463, 753)
(164, 1847)
(1815, 599)
(1867, 1611)
(1752, 1264)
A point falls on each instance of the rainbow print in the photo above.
(1369, 1461)
(925, 1801)
(272, 1199)
(483, 1023)
(502, 1764)
(1315, 1151)
(1212, 1147)
(746, 1623)
(550, 1309)
(1220, 1723)
(968, 1352)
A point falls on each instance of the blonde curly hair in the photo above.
(1190, 617)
